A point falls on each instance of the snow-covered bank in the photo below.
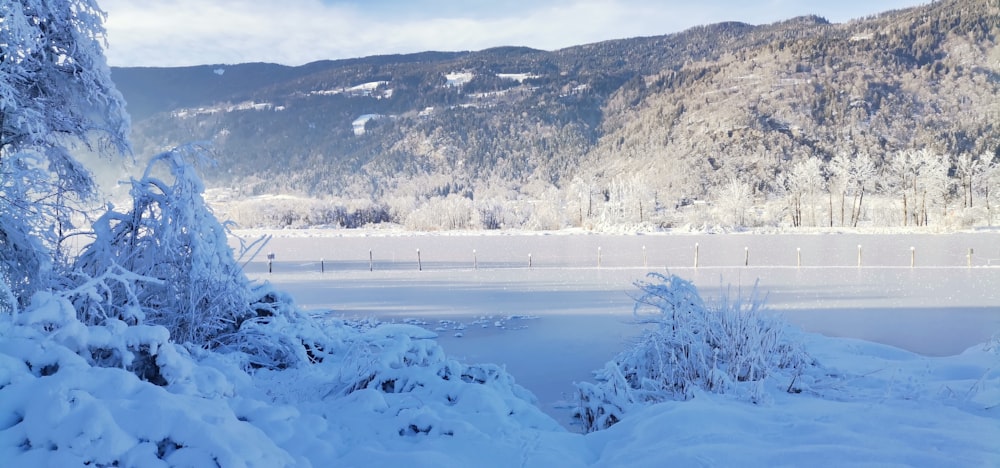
(876, 406)
(863, 404)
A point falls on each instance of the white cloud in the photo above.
(187, 32)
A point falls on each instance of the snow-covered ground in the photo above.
(912, 379)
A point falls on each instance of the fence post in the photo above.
(913, 256)
(322, 266)
(798, 257)
(746, 257)
(420, 266)
(644, 262)
(970, 257)
(475, 260)
(859, 255)
(529, 261)
(371, 261)
(696, 255)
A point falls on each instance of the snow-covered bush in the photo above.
(729, 348)
(73, 394)
(399, 364)
(167, 262)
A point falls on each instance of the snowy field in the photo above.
(552, 323)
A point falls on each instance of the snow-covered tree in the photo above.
(850, 176)
(898, 181)
(912, 175)
(969, 169)
(55, 94)
(838, 173)
(170, 264)
(803, 183)
(931, 181)
(733, 201)
(990, 181)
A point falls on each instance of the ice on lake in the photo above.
(552, 321)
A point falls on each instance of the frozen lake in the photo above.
(565, 315)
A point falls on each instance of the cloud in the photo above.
(293, 32)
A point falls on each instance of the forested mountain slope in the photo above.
(624, 131)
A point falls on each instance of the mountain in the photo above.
(538, 138)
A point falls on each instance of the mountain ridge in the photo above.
(673, 118)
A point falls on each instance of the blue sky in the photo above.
(294, 32)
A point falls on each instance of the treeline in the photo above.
(912, 189)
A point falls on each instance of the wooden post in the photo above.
(420, 266)
(322, 266)
(798, 257)
(644, 262)
(746, 257)
(970, 257)
(696, 255)
(529, 261)
(859, 255)
(475, 260)
(913, 256)
(371, 261)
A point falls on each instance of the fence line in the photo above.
(618, 262)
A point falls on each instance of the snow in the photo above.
(368, 87)
(242, 106)
(430, 404)
(360, 90)
(518, 77)
(455, 79)
(360, 122)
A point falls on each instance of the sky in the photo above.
(295, 32)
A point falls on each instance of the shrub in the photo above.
(167, 262)
(729, 348)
